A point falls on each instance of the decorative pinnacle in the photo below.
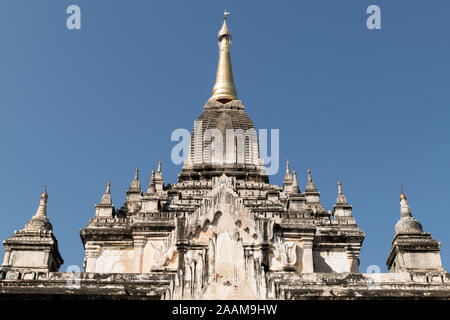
(402, 195)
(136, 175)
(405, 211)
(159, 166)
(108, 187)
(42, 209)
(44, 194)
(151, 187)
(224, 89)
(295, 177)
(340, 198)
(309, 176)
(295, 188)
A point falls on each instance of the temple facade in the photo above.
(222, 231)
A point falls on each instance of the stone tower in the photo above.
(412, 249)
(34, 249)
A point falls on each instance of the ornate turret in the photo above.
(311, 193)
(134, 194)
(159, 181)
(412, 249)
(295, 189)
(39, 221)
(287, 183)
(151, 187)
(33, 249)
(135, 185)
(105, 208)
(342, 208)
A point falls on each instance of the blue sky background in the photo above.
(369, 108)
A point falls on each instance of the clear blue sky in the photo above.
(369, 108)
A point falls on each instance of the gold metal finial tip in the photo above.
(45, 194)
(339, 187)
(402, 195)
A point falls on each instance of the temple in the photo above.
(222, 231)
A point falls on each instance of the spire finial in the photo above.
(136, 175)
(42, 209)
(287, 167)
(159, 166)
(151, 187)
(106, 198)
(224, 90)
(341, 197)
(309, 176)
(404, 207)
(44, 194)
(402, 195)
(295, 188)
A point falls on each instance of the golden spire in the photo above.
(224, 90)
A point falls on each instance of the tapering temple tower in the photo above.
(413, 249)
(34, 249)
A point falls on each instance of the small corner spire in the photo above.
(405, 211)
(159, 166)
(151, 187)
(135, 185)
(295, 188)
(340, 198)
(42, 209)
(310, 186)
(106, 198)
(288, 175)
